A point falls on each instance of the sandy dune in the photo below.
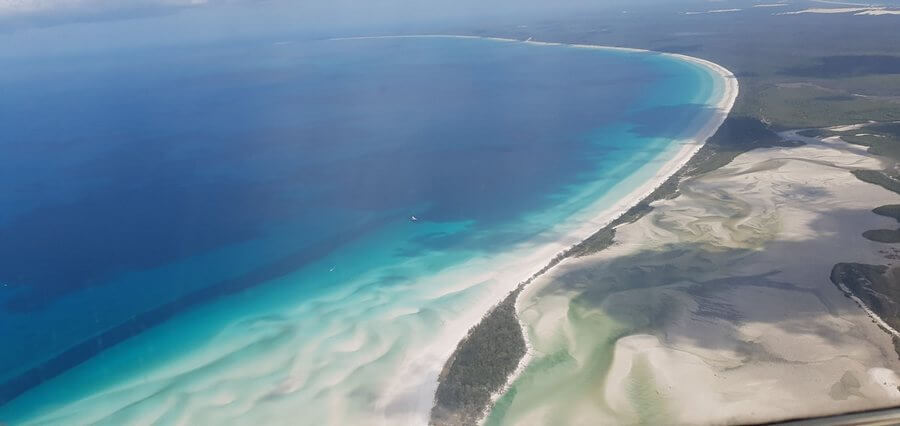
(717, 306)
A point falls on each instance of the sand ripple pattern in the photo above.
(717, 306)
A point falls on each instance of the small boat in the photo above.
(332, 269)
(529, 39)
(413, 219)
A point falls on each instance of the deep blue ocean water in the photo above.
(138, 187)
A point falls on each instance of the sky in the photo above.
(32, 27)
(17, 14)
(42, 27)
(53, 27)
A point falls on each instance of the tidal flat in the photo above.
(717, 306)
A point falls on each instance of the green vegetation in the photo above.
(600, 240)
(882, 139)
(889, 236)
(874, 285)
(884, 85)
(492, 349)
(890, 210)
(879, 178)
(736, 136)
(804, 106)
(480, 366)
(790, 76)
(884, 147)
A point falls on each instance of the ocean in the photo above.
(240, 232)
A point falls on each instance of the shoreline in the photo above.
(876, 318)
(670, 169)
(445, 349)
(416, 378)
(722, 312)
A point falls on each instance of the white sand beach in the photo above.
(361, 360)
(717, 306)
(408, 401)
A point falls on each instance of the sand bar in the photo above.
(410, 400)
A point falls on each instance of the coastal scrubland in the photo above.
(468, 380)
(480, 366)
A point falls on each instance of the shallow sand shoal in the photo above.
(717, 306)
(408, 401)
(378, 364)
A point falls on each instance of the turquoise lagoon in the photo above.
(221, 234)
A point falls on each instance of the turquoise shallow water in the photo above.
(227, 237)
